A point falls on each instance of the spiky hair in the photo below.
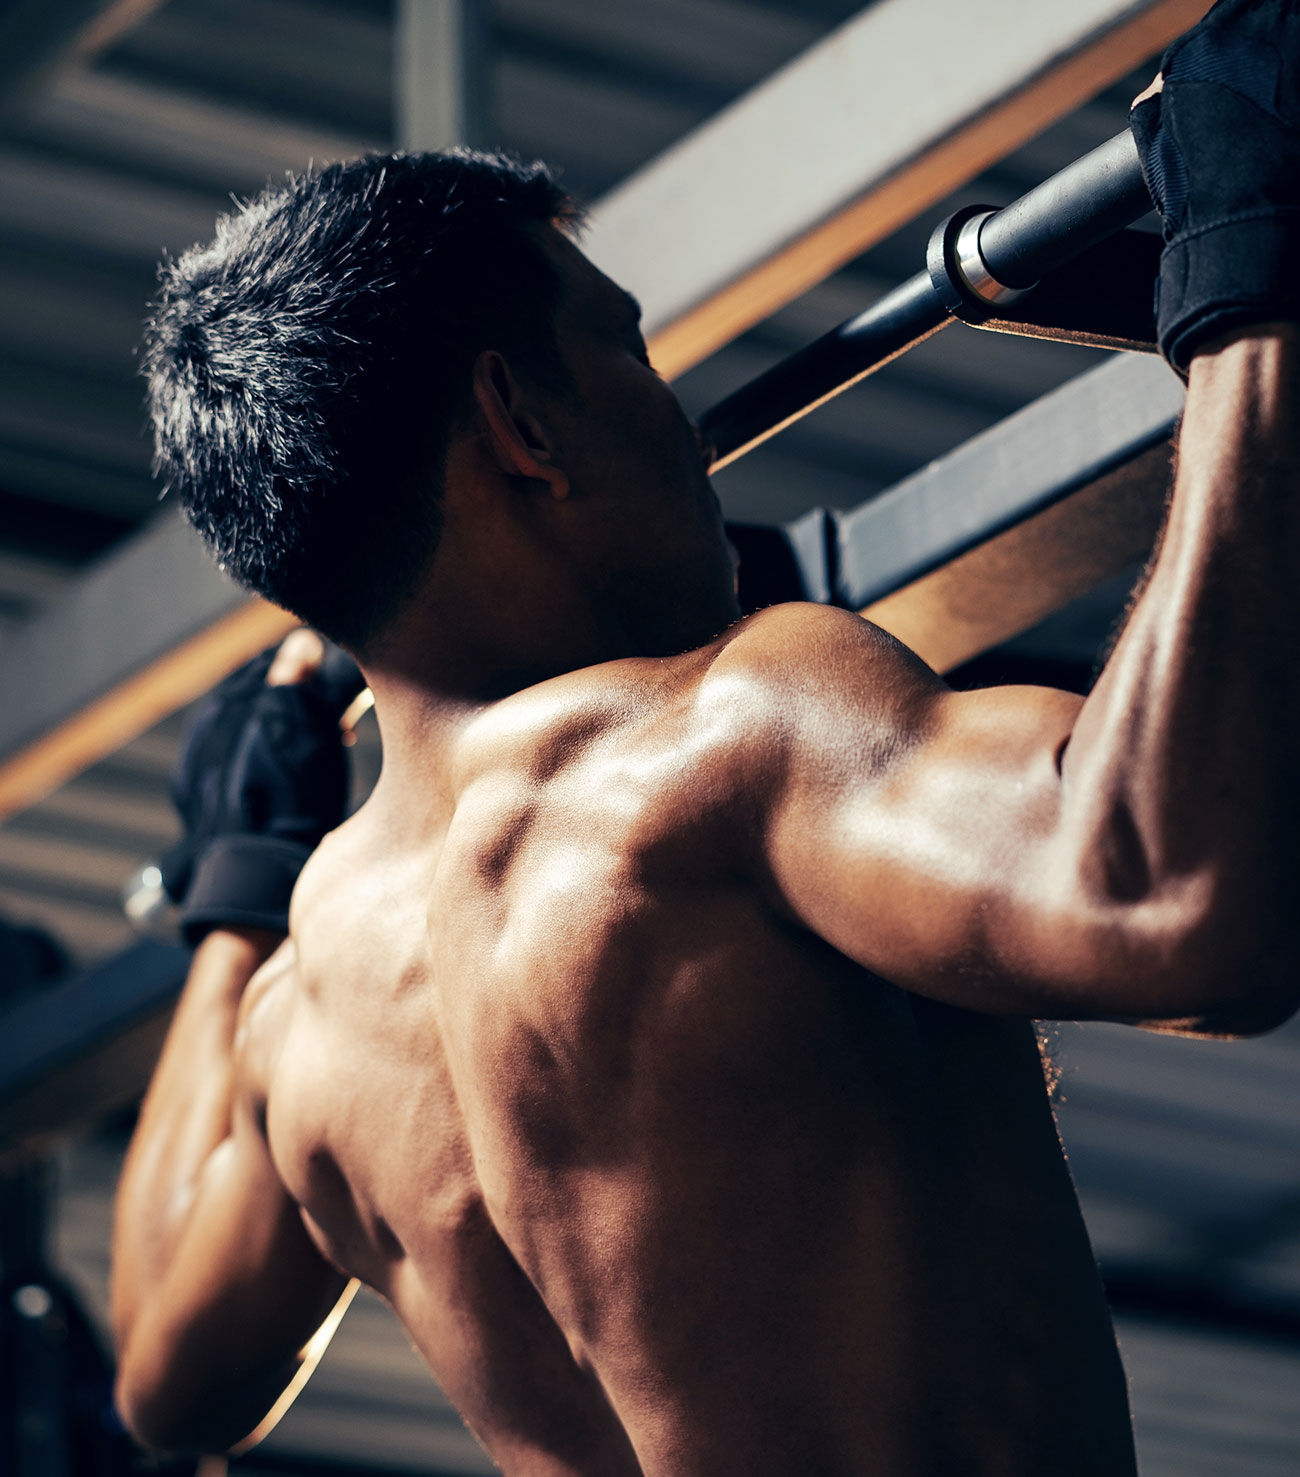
(305, 369)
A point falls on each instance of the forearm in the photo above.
(184, 1117)
(1180, 778)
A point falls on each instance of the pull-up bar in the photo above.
(1001, 269)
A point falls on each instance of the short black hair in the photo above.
(305, 369)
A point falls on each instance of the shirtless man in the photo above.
(657, 1038)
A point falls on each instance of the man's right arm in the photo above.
(1020, 851)
(1130, 856)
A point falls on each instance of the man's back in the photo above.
(630, 1150)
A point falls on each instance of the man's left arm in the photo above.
(217, 1288)
(221, 1302)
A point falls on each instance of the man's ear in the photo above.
(518, 440)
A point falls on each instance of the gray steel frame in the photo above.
(149, 628)
(991, 539)
(74, 1052)
(38, 36)
(442, 73)
(1068, 440)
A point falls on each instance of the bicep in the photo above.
(244, 1293)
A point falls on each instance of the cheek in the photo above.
(634, 432)
(674, 436)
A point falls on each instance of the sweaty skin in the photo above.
(657, 1037)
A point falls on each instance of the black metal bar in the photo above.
(1201, 1305)
(800, 383)
(1102, 298)
(1060, 219)
(1044, 230)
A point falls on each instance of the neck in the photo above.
(417, 727)
(439, 674)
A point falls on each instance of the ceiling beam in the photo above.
(441, 73)
(148, 629)
(991, 539)
(84, 1046)
(38, 37)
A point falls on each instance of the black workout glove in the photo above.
(262, 776)
(1220, 150)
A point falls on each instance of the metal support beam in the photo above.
(39, 36)
(862, 133)
(149, 628)
(74, 1052)
(991, 539)
(441, 73)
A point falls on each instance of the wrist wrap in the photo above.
(242, 881)
(262, 776)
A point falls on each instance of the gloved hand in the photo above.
(262, 776)
(1220, 150)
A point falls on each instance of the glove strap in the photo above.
(1233, 275)
(244, 881)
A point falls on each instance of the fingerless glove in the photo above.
(1220, 150)
(262, 777)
